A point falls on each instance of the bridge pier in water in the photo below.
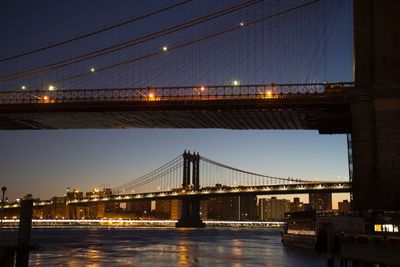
(190, 215)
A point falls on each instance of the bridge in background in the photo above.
(180, 179)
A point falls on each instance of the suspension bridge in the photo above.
(249, 65)
(191, 178)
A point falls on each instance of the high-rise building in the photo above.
(344, 206)
(58, 208)
(243, 208)
(273, 209)
(75, 193)
(203, 210)
(161, 209)
(176, 209)
(248, 208)
(296, 205)
(222, 208)
(320, 201)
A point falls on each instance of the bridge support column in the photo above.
(375, 105)
(190, 216)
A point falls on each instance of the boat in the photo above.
(309, 229)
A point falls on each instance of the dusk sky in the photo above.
(45, 163)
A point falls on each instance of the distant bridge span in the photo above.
(302, 188)
(331, 187)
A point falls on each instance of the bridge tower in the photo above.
(190, 215)
(375, 105)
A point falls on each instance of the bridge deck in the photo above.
(303, 188)
(227, 109)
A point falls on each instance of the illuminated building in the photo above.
(176, 206)
(58, 207)
(296, 205)
(273, 209)
(320, 201)
(232, 208)
(74, 193)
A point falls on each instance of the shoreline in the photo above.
(120, 223)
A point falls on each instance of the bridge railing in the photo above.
(215, 92)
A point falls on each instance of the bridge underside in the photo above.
(328, 115)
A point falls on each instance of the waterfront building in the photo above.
(320, 201)
(296, 205)
(273, 209)
(344, 206)
(75, 193)
(161, 209)
(58, 208)
(176, 209)
(242, 208)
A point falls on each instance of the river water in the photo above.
(165, 247)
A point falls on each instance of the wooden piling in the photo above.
(24, 235)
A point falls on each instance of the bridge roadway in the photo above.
(208, 192)
(322, 107)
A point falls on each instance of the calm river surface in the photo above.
(165, 247)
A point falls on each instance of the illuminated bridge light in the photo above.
(165, 48)
(52, 88)
(23, 87)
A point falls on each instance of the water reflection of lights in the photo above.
(133, 222)
(237, 252)
(93, 254)
(183, 254)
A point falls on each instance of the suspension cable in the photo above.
(80, 37)
(127, 44)
(250, 173)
